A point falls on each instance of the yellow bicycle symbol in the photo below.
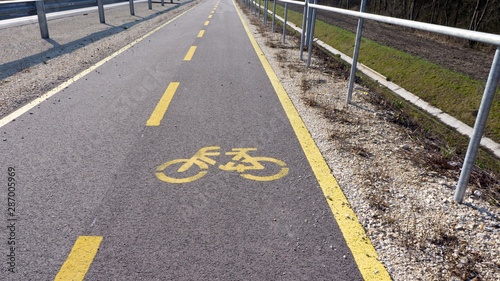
(241, 162)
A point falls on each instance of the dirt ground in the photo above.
(452, 53)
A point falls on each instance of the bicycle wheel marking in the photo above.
(249, 167)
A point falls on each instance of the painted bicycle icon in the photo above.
(194, 168)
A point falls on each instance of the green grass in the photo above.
(455, 93)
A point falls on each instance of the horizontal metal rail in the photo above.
(40, 10)
(300, 3)
(487, 38)
(491, 83)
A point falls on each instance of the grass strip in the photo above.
(454, 93)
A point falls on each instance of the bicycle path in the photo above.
(101, 187)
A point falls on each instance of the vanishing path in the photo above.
(96, 174)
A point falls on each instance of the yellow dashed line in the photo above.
(206, 23)
(162, 106)
(190, 53)
(210, 16)
(81, 256)
(200, 34)
(360, 245)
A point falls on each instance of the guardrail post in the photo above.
(354, 65)
(482, 117)
(163, 2)
(100, 8)
(284, 23)
(42, 19)
(303, 33)
(150, 4)
(311, 35)
(131, 4)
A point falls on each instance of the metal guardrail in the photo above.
(40, 10)
(22, 8)
(308, 24)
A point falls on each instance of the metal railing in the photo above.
(308, 23)
(42, 9)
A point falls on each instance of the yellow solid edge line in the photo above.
(162, 106)
(70, 81)
(207, 22)
(201, 33)
(190, 53)
(79, 259)
(360, 245)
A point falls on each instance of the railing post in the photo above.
(42, 19)
(354, 65)
(100, 8)
(303, 33)
(274, 15)
(311, 35)
(131, 4)
(309, 19)
(284, 23)
(259, 8)
(163, 2)
(482, 117)
(266, 4)
(150, 4)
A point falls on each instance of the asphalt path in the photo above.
(100, 187)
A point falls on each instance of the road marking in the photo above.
(209, 16)
(79, 259)
(360, 245)
(162, 106)
(207, 22)
(240, 163)
(77, 77)
(201, 33)
(190, 53)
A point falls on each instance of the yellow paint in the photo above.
(241, 162)
(190, 53)
(245, 162)
(201, 33)
(360, 245)
(200, 159)
(160, 174)
(77, 77)
(207, 22)
(81, 256)
(162, 106)
(209, 16)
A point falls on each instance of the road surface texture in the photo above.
(183, 163)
